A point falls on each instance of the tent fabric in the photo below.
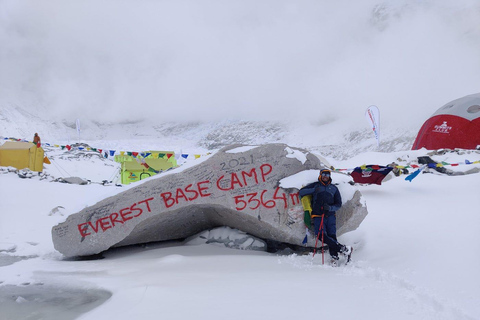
(133, 171)
(21, 155)
(454, 125)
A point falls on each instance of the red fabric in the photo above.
(372, 176)
(448, 131)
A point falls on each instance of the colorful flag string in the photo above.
(112, 153)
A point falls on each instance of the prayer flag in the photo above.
(369, 175)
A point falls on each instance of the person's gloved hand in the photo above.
(325, 207)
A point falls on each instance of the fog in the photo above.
(113, 60)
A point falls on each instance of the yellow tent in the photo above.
(21, 155)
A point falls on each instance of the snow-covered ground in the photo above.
(414, 257)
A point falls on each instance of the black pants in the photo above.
(329, 232)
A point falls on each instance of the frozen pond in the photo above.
(39, 301)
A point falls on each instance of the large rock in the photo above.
(238, 187)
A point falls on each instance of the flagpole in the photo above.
(78, 129)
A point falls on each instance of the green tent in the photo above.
(133, 171)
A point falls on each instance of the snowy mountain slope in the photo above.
(340, 139)
(196, 61)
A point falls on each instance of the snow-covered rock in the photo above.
(237, 187)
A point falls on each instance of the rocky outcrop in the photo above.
(238, 187)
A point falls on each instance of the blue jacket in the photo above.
(322, 195)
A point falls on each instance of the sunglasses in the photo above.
(325, 174)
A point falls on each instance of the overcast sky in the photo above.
(252, 59)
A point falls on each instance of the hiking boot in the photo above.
(346, 250)
(334, 261)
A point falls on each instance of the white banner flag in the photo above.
(78, 127)
(373, 117)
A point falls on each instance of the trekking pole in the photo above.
(323, 260)
(316, 241)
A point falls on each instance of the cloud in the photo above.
(196, 60)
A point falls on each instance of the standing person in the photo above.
(36, 139)
(326, 199)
